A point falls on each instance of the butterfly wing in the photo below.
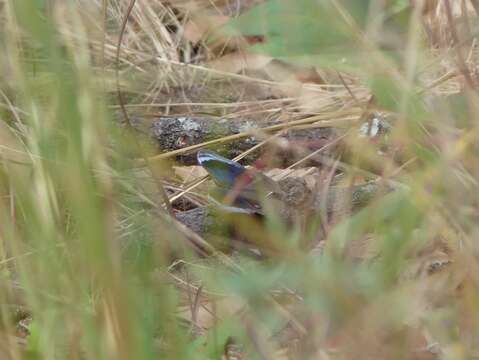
(224, 172)
(230, 175)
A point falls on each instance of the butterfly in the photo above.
(238, 186)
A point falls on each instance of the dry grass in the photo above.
(93, 266)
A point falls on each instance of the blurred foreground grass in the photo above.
(95, 270)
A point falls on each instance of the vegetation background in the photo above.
(94, 266)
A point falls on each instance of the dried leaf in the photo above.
(189, 173)
(204, 25)
(240, 61)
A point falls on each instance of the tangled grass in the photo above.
(94, 266)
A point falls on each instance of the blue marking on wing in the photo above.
(225, 172)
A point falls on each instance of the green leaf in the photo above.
(303, 26)
(324, 32)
